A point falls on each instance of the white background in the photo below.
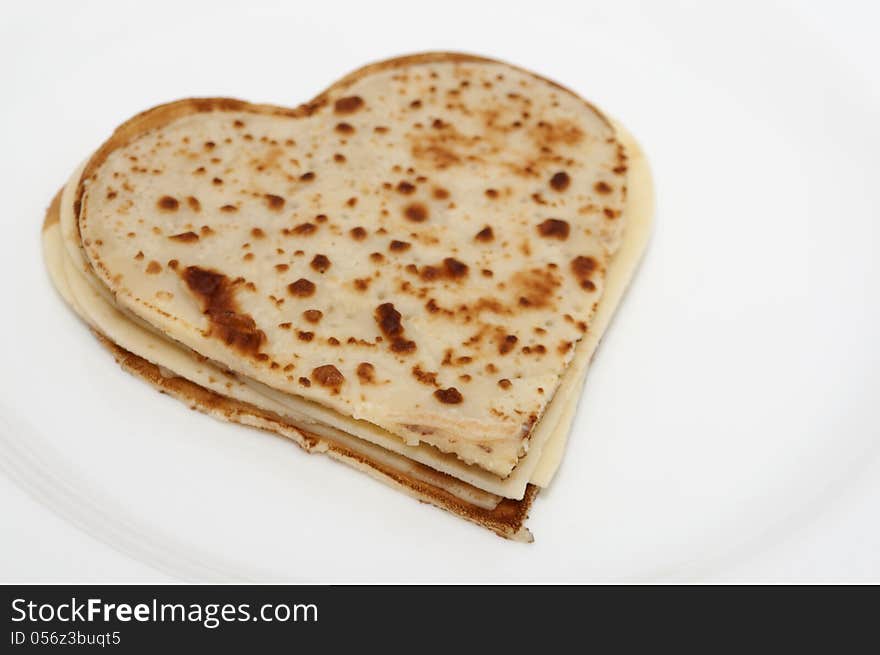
(730, 428)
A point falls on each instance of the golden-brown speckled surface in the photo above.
(285, 212)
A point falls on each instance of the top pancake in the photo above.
(421, 247)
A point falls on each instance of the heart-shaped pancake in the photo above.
(420, 248)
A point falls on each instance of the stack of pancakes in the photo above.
(409, 273)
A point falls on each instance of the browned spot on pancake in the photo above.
(313, 315)
(425, 377)
(328, 376)
(302, 288)
(320, 263)
(554, 228)
(216, 181)
(399, 246)
(185, 237)
(140, 255)
(416, 212)
(194, 203)
(454, 268)
(451, 269)
(602, 188)
(444, 146)
(504, 383)
(348, 105)
(339, 158)
(562, 131)
(307, 177)
(389, 321)
(257, 233)
(560, 181)
(450, 396)
(229, 208)
(472, 310)
(506, 343)
(406, 188)
(491, 193)
(275, 203)
(344, 128)
(485, 235)
(305, 382)
(440, 193)
(366, 372)
(304, 229)
(154, 267)
(362, 283)
(439, 156)
(358, 233)
(583, 266)
(305, 336)
(535, 287)
(168, 204)
(228, 323)
(583, 269)
(281, 268)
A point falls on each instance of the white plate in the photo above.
(733, 399)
